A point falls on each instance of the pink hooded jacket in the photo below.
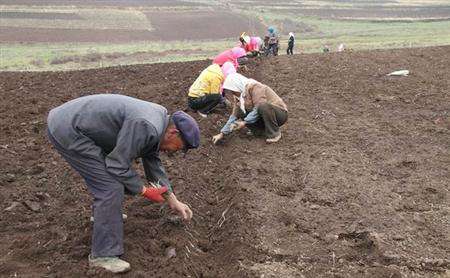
(230, 55)
(254, 45)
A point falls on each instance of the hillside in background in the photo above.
(66, 34)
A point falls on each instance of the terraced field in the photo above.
(38, 35)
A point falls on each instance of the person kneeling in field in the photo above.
(100, 136)
(236, 55)
(271, 41)
(251, 45)
(205, 93)
(256, 106)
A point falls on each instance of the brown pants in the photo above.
(271, 118)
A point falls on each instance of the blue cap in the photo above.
(188, 128)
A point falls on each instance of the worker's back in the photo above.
(100, 118)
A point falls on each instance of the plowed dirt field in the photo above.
(357, 187)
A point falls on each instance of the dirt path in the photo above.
(358, 186)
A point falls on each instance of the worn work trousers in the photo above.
(108, 193)
(204, 104)
(271, 118)
(272, 49)
(290, 49)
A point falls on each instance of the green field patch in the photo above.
(120, 35)
(313, 27)
(420, 3)
(20, 57)
(39, 15)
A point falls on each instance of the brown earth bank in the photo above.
(59, 35)
(201, 24)
(357, 187)
(117, 3)
(168, 26)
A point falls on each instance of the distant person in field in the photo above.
(291, 41)
(255, 106)
(205, 93)
(325, 48)
(271, 41)
(236, 56)
(101, 136)
(251, 45)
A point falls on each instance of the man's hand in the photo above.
(182, 209)
(217, 138)
(154, 194)
(238, 125)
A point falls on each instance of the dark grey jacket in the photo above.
(115, 128)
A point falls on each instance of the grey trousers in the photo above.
(108, 193)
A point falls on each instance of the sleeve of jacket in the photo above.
(134, 138)
(233, 117)
(252, 117)
(154, 170)
(226, 129)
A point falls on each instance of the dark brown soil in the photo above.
(57, 35)
(116, 3)
(357, 187)
(168, 26)
(196, 25)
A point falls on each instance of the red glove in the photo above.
(154, 194)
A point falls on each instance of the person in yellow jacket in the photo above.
(205, 93)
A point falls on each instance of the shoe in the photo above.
(274, 139)
(113, 264)
(124, 217)
(202, 115)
